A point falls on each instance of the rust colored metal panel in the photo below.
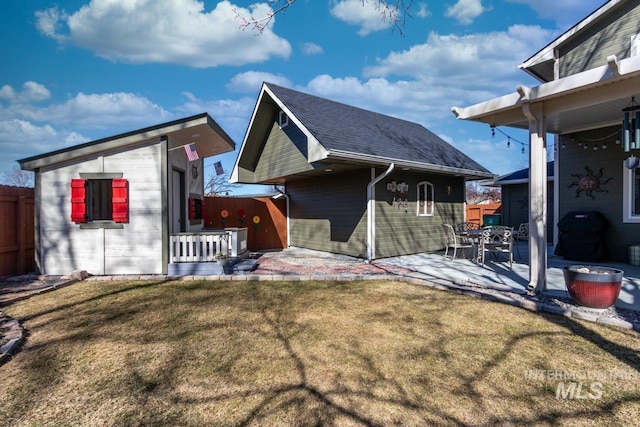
(264, 218)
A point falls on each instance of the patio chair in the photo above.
(521, 235)
(455, 241)
(461, 227)
(496, 240)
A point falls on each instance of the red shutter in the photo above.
(192, 209)
(120, 200)
(78, 200)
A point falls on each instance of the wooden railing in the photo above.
(197, 247)
(203, 246)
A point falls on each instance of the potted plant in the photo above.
(222, 258)
(593, 286)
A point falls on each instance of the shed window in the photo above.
(631, 194)
(425, 199)
(99, 200)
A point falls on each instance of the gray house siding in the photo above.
(400, 231)
(515, 206)
(284, 153)
(610, 36)
(323, 218)
(574, 160)
(329, 214)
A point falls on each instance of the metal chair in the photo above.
(461, 227)
(496, 240)
(521, 235)
(455, 241)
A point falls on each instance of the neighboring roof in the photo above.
(201, 129)
(522, 176)
(541, 64)
(342, 133)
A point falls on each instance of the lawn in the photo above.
(194, 353)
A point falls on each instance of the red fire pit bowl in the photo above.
(593, 287)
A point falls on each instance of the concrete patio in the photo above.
(498, 275)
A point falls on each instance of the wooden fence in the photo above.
(270, 230)
(475, 213)
(16, 231)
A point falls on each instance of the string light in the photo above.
(510, 139)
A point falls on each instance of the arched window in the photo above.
(426, 201)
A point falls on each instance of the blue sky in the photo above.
(76, 71)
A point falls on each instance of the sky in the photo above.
(77, 71)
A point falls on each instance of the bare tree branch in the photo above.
(18, 178)
(219, 185)
(394, 12)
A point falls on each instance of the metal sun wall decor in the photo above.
(589, 182)
(399, 191)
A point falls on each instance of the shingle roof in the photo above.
(521, 176)
(350, 129)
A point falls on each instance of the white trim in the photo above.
(627, 196)
(429, 212)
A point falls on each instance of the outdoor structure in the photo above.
(128, 204)
(589, 99)
(514, 189)
(357, 182)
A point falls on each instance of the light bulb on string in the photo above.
(604, 145)
(508, 142)
(493, 131)
(522, 151)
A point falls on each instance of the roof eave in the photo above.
(338, 155)
(223, 142)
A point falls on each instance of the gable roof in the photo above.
(541, 64)
(209, 137)
(337, 132)
(522, 176)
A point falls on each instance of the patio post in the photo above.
(537, 196)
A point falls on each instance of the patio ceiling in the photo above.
(588, 100)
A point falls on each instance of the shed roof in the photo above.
(201, 129)
(341, 132)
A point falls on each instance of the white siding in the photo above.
(134, 249)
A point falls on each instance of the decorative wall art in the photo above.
(589, 182)
(400, 191)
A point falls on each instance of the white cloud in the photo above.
(565, 13)
(311, 49)
(251, 81)
(423, 11)
(485, 64)
(31, 92)
(165, 31)
(465, 11)
(367, 16)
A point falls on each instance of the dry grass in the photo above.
(305, 353)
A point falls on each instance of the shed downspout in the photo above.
(286, 197)
(371, 210)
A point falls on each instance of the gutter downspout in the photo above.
(537, 197)
(371, 210)
(286, 197)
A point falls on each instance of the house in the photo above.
(589, 99)
(115, 205)
(514, 189)
(357, 182)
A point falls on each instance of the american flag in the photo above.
(192, 154)
(218, 167)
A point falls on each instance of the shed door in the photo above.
(178, 221)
